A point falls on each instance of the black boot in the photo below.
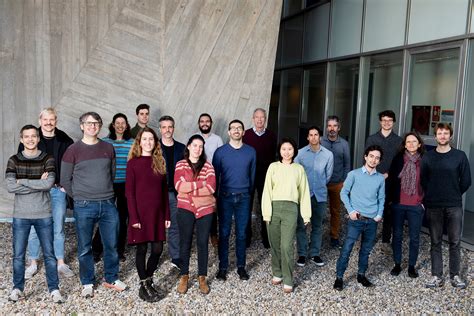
(144, 293)
(151, 288)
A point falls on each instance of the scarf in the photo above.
(408, 174)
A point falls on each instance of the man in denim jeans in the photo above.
(87, 171)
(30, 175)
(363, 195)
(54, 142)
(445, 176)
(234, 164)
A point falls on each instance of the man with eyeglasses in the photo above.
(363, 195)
(390, 143)
(87, 171)
(234, 164)
(264, 142)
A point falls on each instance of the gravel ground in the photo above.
(313, 292)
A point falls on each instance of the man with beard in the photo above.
(54, 142)
(342, 165)
(212, 142)
(234, 164)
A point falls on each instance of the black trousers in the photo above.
(186, 223)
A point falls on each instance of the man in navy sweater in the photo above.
(234, 164)
(445, 176)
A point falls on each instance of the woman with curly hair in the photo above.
(195, 181)
(148, 207)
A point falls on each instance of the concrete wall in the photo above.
(182, 57)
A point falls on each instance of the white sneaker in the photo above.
(435, 282)
(65, 271)
(31, 271)
(456, 281)
(117, 285)
(88, 291)
(16, 295)
(57, 297)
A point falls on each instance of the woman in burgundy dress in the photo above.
(148, 207)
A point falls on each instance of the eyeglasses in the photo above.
(88, 124)
(387, 120)
(236, 129)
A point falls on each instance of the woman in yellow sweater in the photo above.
(286, 187)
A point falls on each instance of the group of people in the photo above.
(144, 190)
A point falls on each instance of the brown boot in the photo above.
(183, 284)
(203, 287)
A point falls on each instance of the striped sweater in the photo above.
(195, 194)
(122, 148)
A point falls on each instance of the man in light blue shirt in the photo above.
(363, 195)
(318, 162)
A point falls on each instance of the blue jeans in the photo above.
(368, 229)
(318, 210)
(237, 205)
(414, 216)
(21, 230)
(58, 211)
(452, 217)
(87, 214)
(173, 231)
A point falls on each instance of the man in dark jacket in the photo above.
(54, 142)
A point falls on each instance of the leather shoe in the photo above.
(243, 275)
(412, 273)
(363, 280)
(396, 270)
(221, 275)
(338, 284)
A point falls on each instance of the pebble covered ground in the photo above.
(313, 292)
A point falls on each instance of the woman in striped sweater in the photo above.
(195, 181)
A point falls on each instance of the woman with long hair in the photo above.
(405, 195)
(119, 136)
(148, 207)
(285, 191)
(195, 181)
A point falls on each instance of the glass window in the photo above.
(384, 24)
(435, 19)
(342, 99)
(384, 89)
(346, 27)
(290, 98)
(432, 90)
(272, 123)
(314, 86)
(292, 44)
(316, 33)
(278, 53)
(291, 7)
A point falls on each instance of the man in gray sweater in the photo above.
(30, 175)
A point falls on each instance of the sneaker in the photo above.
(88, 291)
(457, 282)
(16, 295)
(364, 281)
(435, 282)
(243, 275)
(318, 261)
(221, 275)
(175, 263)
(117, 285)
(301, 261)
(57, 297)
(65, 271)
(276, 280)
(287, 288)
(338, 284)
(31, 271)
(396, 270)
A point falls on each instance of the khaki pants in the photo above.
(334, 191)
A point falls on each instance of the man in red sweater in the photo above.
(264, 142)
